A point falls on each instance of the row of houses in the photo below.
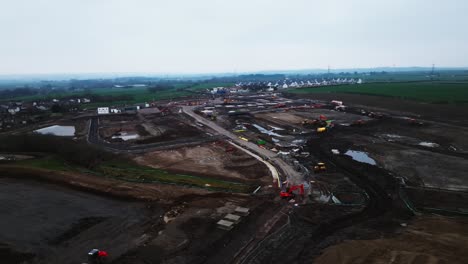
(299, 83)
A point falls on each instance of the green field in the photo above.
(432, 92)
(140, 94)
(136, 173)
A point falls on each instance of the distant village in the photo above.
(303, 83)
(14, 114)
(245, 87)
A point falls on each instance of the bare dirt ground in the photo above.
(337, 116)
(191, 234)
(295, 118)
(427, 239)
(431, 155)
(369, 228)
(121, 218)
(396, 146)
(430, 169)
(111, 124)
(46, 223)
(281, 118)
(169, 127)
(162, 193)
(153, 128)
(213, 159)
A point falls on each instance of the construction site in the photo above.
(253, 178)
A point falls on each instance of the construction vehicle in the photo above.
(376, 115)
(314, 123)
(415, 122)
(336, 103)
(340, 108)
(289, 192)
(319, 167)
(322, 122)
(321, 129)
(96, 256)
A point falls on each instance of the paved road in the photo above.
(287, 170)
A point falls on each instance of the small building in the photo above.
(242, 211)
(103, 110)
(233, 218)
(224, 224)
(115, 111)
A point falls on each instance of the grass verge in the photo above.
(137, 173)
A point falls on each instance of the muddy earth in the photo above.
(44, 223)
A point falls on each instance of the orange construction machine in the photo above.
(289, 192)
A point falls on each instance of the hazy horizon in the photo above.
(210, 37)
(213, 74)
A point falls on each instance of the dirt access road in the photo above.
(289, 172)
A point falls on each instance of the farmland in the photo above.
(137, 94)
(431, 92)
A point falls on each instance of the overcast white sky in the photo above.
(199, 36)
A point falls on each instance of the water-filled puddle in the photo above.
(360, 156)
(63, 131)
